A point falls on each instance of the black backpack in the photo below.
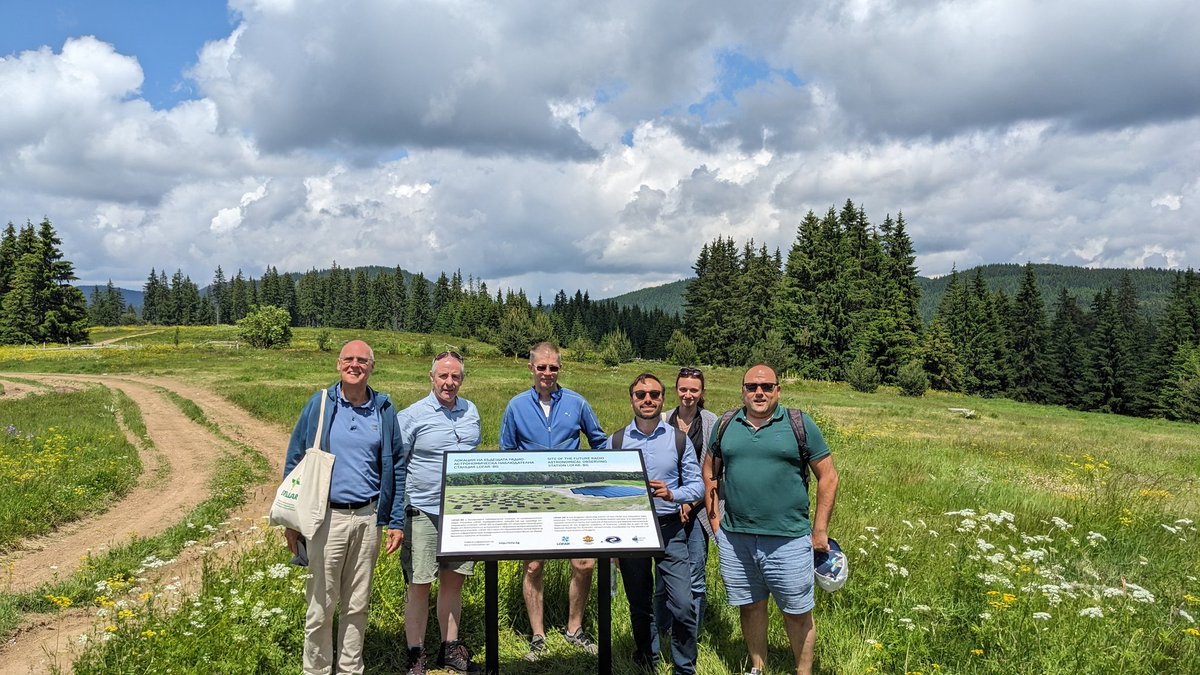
(795, 418)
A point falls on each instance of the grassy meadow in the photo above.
(1026, 539)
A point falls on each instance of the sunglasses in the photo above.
(454, 355)
(767, 387)
(542, 367)
(642, 394)
(691, 372)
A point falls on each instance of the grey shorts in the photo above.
(755, 566)
(418, 556)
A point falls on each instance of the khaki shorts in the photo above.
(418, 556)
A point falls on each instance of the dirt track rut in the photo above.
(191, 452)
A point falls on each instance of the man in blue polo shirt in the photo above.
(549, 417)
(441, 422)
(674, 477)
(365, 494)
(766, 545)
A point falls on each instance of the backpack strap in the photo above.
(617, 439)
(718, 457)
(796, 418)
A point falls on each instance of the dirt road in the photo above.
(190, 453)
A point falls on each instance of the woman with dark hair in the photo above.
(692, 419)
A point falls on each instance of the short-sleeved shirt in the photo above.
(429, 430)
(764, 487)
(354, 439)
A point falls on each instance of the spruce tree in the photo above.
(1028, 339)
(419, 317)
(1066, 374)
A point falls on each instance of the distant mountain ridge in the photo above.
(1152, 285)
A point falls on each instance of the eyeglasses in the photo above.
(767, 387)
(542, 367)
(454, 355)
(642, 394)
(691, 372)
(350, 360)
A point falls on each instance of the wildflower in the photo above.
(983, 545)
(148, 633)
(921, 608)
(1185, 615)
(1191, 631)
(1041, 616)
(985, 616)
(977, 652)
(1095, 538)
(110, 628)
(1034, 554)
(1183, 521)
(1060, 523)
(125, 614)
(1092, 612)
(1168, 528)
(59, 601)
(1140, 594)
(1192, 600)
(871, 529)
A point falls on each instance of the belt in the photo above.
(352, 506)
(669, 518)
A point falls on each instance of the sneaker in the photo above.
(537, 648)
(581, 641)
(755, 671)
(455, 656)
(416, 661)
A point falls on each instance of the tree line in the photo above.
(37, 301)
(844, 306)
(383, 298)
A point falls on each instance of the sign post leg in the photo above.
(491, 606)
(604, 618)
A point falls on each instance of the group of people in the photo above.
(741, 478)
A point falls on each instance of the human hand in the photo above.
(685, 513)
(293, 539)
(659, 489)
(395, 539)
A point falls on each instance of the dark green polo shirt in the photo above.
(764, 491)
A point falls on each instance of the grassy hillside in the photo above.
(1024, 538)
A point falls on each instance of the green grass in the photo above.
(61, 457)
(906, 466)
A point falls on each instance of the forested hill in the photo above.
(1152, 285)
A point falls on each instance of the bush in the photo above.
(681, 350)
(266, 327)
(620, 344)
(609, 355)
(862, 376)
(323, 339)
(582, 350)
(912, 379)
(773, 351)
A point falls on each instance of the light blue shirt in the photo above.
(525, 425)
(354, 441)
(681, 476)
(428, 430)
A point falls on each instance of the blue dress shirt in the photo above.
(429, 431)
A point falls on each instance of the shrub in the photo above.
(609, 355)
(323, 339)
(912, 379)
(266, 327)
(620, 344)
(681, 350)
(582, 350)
(861, 375)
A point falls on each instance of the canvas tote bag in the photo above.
(303, 496)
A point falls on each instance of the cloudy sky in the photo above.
(595, 145)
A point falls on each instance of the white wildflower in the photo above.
(1092, 612)
(1034, 554)
(1168, 528)
(985, 615)
(281, 570)
(1060, 523)
(965, 513)
(983, 545)
(1041, 616)
(1095, 538)
(1187, 617)
(908, 523)
(921, 608)
(1140, 594)
(871, 529)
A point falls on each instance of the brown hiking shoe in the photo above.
(455, 656)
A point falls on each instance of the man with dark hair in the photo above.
(366, 493)
(549, 417)
(766, 545)
(673, 472)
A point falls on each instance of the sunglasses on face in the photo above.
(767, 387)
(642, 394)
(542, 367)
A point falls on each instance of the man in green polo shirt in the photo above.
(764, 537)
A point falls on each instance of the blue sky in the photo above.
(164, 36)
(595, 145)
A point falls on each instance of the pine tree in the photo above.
(1028, 338)
(1066, 373)
(939, 358)
(218, 293)
(1108, 358)
(419, 316)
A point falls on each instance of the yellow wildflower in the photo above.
(148, 633)
(977, 652)
(1192, 631)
